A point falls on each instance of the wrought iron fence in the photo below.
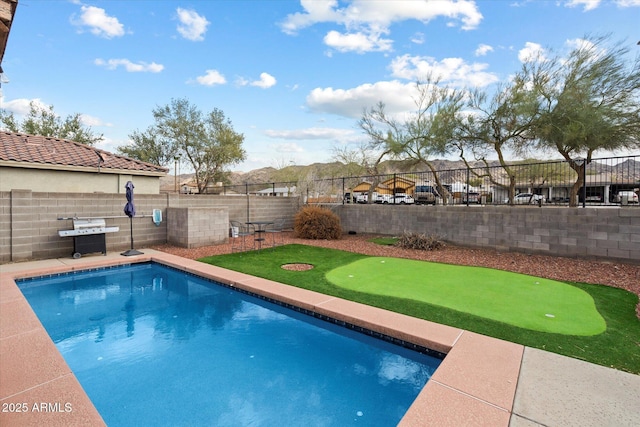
(607, 181)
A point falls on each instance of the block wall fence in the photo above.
(29, 223)
(597, 233)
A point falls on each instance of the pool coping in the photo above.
(476, 383)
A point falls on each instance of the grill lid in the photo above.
(79, 224)
(86, 226)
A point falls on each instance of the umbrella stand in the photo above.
(130, 210)
(131, 251)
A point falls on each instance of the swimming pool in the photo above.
(151, 343)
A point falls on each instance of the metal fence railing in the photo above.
(603, 181)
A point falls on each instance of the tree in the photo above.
(589, 101)
(537, 173)
(354, 160)
(426, 133)
(209, 143)
(362, 160)
(285, 171)
(45, 122)
(149, 147)
(379, 147)
(497, 124)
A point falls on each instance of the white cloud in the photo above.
(587, 4)
(99, 23)
(593, 4)
(365, 20)
(450, 70)
(266, 81)
(381, 14)
(531, 52)
(241, 81)
(211, 78)
(21, 106)
(580, 44)
(418, 38)
(399, 97)
(131, 67)
(483, 49)
(192, 25)
(351, 103)
(88, 120)
(360, 42)
(315, 11)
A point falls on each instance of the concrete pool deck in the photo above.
(482, 381)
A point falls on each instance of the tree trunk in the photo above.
(441, 189)
(512, 188)
(573, 196)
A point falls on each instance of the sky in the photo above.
(293, 76)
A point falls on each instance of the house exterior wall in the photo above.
(75, 181)
(29, 221)
(600, 233)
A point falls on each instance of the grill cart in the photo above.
(88, 235)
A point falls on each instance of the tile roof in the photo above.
(19, 147)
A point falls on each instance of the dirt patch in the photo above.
(297, 267)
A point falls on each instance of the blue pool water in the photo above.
(155, 346)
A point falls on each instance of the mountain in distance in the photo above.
(339, 170)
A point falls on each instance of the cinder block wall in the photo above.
(29, 221)
(196, 227)
(600, 233)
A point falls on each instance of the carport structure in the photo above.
(398, 184)
(364, 187)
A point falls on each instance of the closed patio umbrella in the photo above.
(130, 211)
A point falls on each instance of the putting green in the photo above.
(517, 299)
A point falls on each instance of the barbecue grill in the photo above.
(88, 235)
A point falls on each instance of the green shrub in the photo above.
(419, 241)
(314, 222)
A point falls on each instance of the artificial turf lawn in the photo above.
(617, 347)
(516, 299)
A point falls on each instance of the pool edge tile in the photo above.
(418, 331)
(8, 289)
(29, 359)
(483, 367)
(17, 318)
(60, 402)
(439, 405)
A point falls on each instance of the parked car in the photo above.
(383, 198)
(473, 197)
(403, 199)
(425, 195)
(347, 198)
(527, 198)
(363, 198)
(632, 197)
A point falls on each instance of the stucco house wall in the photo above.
(75, 180)
(46, 164)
